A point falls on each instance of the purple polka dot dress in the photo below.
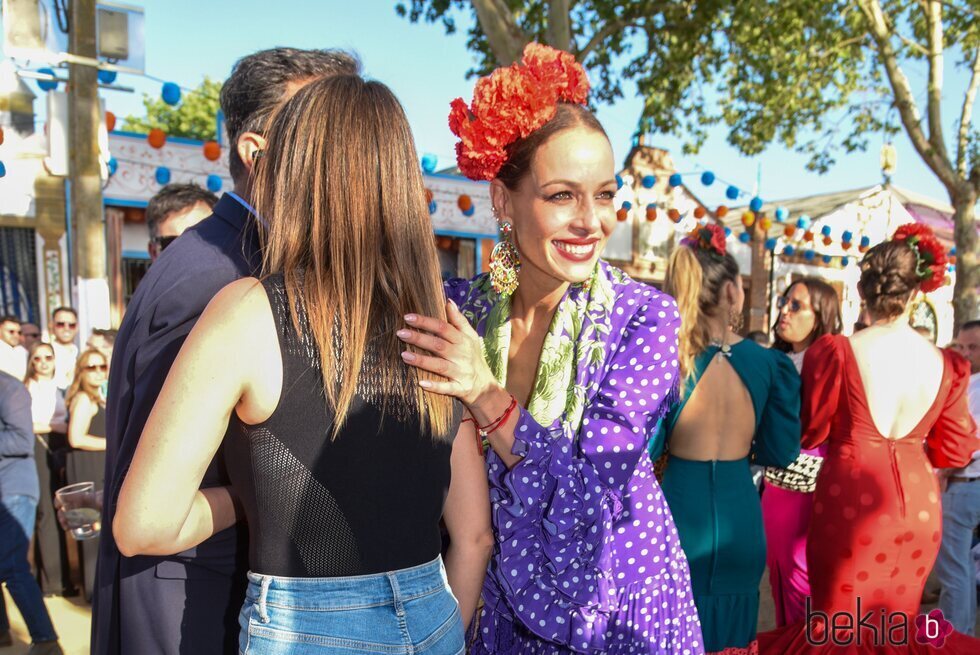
(587, 557)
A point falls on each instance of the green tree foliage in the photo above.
(818, 77)
(193, 118)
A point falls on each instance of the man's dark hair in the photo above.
(258, 82)
(65, 308)
(9, 318)
(970, 325)
(175, 198)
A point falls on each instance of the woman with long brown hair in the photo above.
(338, 458)
(808, 309)
(86, 436)
(739, 405)
(50, 416)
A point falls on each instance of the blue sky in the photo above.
(186, 39)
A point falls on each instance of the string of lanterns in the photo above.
(797, 231)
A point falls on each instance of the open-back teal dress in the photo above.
(715, 504)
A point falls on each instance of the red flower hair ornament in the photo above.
(710, 237)
(930, 256)
(510, 104)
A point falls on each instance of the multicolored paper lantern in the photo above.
(170, 93)
(212, 151)
(156, 138)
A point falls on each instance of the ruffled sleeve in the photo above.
(777, 439)
(823, 374)
(953, 438)
(554, 509)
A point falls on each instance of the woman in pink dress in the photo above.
(808, 309)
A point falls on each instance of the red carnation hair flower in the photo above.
(930, 255)
(709, 237)
(510, 104)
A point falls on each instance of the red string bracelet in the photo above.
(483, 431)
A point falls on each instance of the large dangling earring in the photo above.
(735, 319)
(505, 261)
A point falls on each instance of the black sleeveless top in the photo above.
(368, 501)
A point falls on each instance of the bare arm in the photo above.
(82, 412)
(467, 516)
(161, 509)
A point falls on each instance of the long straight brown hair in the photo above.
(349, 229)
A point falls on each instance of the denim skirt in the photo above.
(411, 611)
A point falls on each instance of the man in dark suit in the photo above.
(189, 603)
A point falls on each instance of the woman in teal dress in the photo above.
(739, 404)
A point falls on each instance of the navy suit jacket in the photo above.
(186, 603)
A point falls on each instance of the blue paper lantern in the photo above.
(47, 85)
(865, 241)
(744, 237)
(800, 223)
(107, 77)
(162, 175)
(788, 251)
(470, 211)
(112, 165)
(809, 255)
(432, 207)
(781, 214)
(847, 236)
(648, 181)
(619, 182)
(675, 179)
(627, 205)
(707, 178)
(827, 259)
(770, 244)
(170, 93)
(214, 183)
(844, 261)
(728, 232)
(825, 230)
(3, 169)
(732, 193)
(755, 204)
(952, 251)
(429, 163)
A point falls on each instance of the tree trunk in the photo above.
(967, 265)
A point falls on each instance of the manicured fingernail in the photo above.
(408, 357)
(455, 306)
(425, 384)
(404, 334)
(411, 318)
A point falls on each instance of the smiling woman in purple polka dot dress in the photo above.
(565, 364)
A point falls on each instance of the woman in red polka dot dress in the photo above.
(891, 408)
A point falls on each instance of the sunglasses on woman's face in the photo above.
(43, 358)
(96, 367)
(68, 324)
(795, 306)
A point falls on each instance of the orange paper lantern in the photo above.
(699, 212)
(622, 214)
(464, 202)
(846, 245)
(156, 138)
(789, 229)
(827, 241)
(722, 211)
(674, 215)
(428, 196)
(1, 136)
(651, 213)
(110, 121)
(212, 151)
(808, 235)
(766, 223)
(748, 219)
